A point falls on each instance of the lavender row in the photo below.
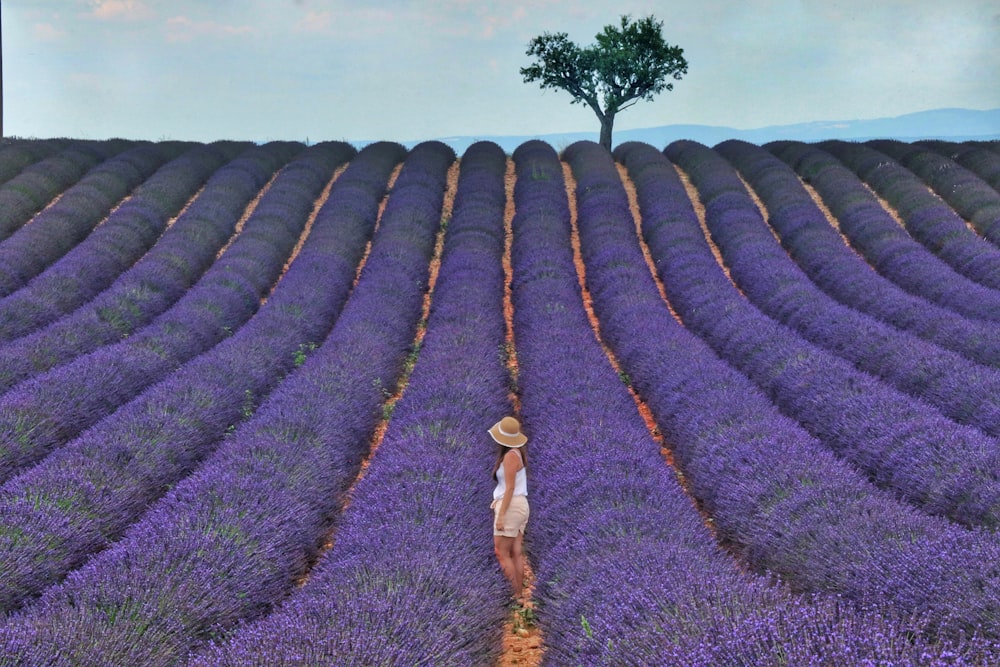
(926, 217)
(965, 391)
(121, 239)
(16, 157)
(979, 160)
(878, 237)
(76, 500)
(902, 443)
(821, 252)
(57, 229)
(37, 185)
(232, 539)
(968, 195)
(42, 413)
(608, 502)
(776, 495)
(156, 281)
(411, 578)
(759, 624)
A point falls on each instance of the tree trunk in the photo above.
(607, 121)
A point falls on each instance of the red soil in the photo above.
(247, 212)
(699, 210)
(187, 205)
(317, 205)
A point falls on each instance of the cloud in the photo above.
(120, 10)
(47, 32)
(314, 22)
(183, 29)
(492, 22)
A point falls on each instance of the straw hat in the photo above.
(507, 432)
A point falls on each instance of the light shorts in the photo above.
(516, 518)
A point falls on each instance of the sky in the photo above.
(405, 70)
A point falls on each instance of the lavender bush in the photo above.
(628, 573)
(113, 247)
(190, 524)
(42, 413)
(964, 391)
(822, 254)
(58, 228)
(156, 281)
(16, 157)
(927, 218)
(903, 444)
(28, 192)
(876, 235)
(411, 578)
(779, 498)
(967, 194)
(979, 160)
(92, 488)
(230, 540)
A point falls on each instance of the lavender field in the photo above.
(244, 394)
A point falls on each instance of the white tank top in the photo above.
(520, 481)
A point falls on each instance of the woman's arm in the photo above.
(511, 464)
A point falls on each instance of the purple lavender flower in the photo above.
(275, 482)
(776, 495)
(885, 245)
(927, 218)
(843, 274)
(156, 281)
(54, 231)
(42, 413)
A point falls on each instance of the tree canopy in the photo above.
(630, 62)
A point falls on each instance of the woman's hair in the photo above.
(502, 451)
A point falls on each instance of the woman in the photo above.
(510, 499)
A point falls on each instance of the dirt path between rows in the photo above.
(699, 210)
(247, 212)
(523, 644)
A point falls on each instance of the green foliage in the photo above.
(630, 62)
(524, 618)
(299, 356)
(247, 409)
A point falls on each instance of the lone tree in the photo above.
(630, 62)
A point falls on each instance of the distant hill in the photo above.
(948, 124)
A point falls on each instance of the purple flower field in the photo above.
(245, 389)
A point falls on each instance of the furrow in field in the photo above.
(15, 158)
(809, 233)
(248, 519)
(44, 412)
(966, 193)
(86, 494)
(83, 207)
(781, 501)
(158, 280)
(42, 184)
(927, 218)
(902, 443)
(116, 244)
(891, 251)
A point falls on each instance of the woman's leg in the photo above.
(504, 548)
(518, 562)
